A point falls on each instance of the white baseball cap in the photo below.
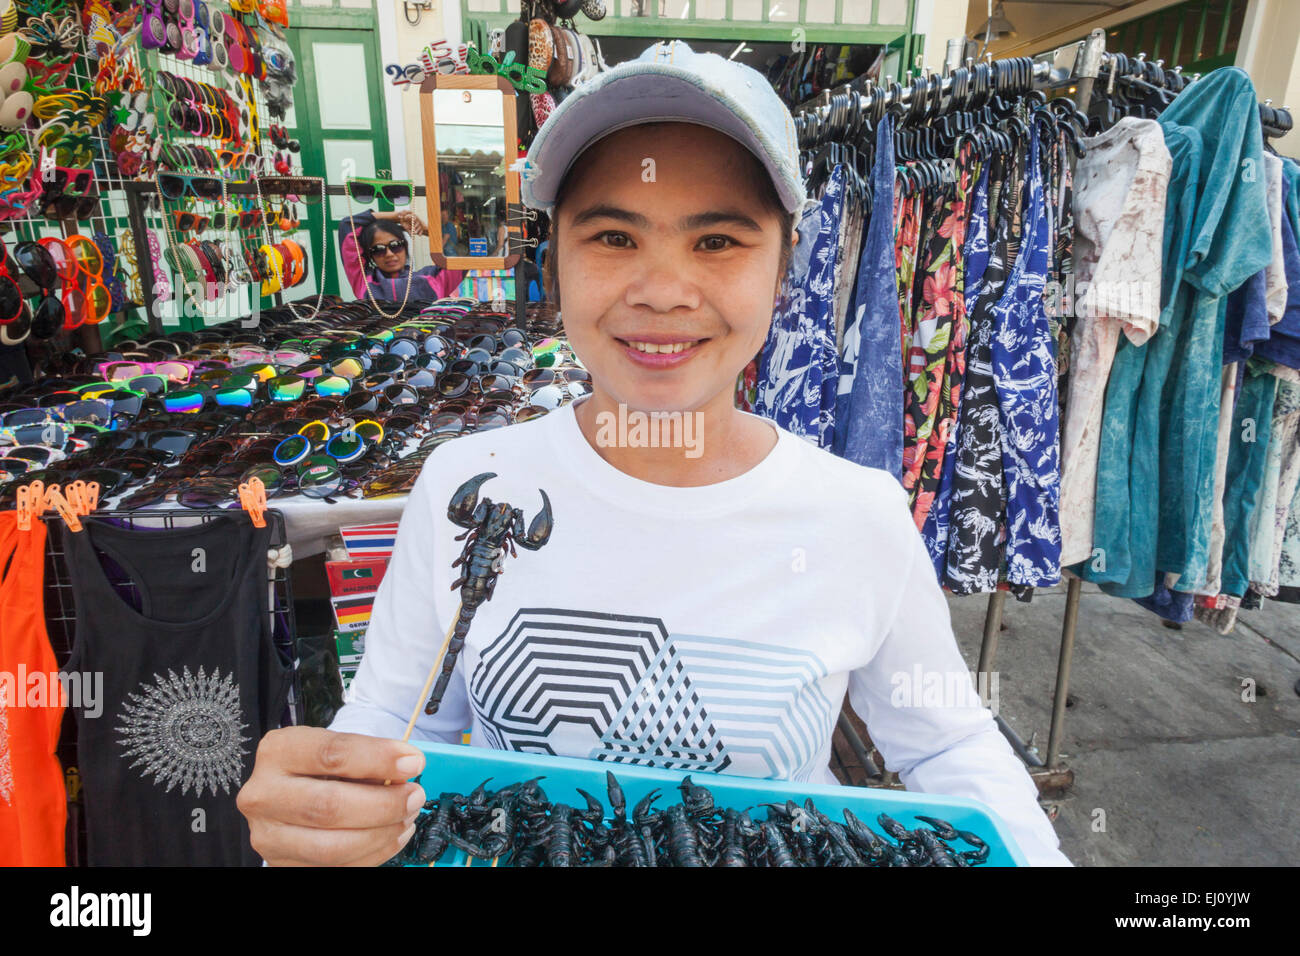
(668, 83)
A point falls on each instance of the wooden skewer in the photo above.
(428, 684)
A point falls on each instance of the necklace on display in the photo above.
(171, 243)
(370, 292)
(324, 267)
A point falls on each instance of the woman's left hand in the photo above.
(412, 223)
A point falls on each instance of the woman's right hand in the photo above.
(317, 798)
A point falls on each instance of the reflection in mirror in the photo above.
(469, 128)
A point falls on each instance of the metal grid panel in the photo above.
(61, 616)
(172, 310)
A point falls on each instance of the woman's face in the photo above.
(668, 266)
(389, 263)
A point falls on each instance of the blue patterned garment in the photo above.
(869, 409)
(975, 260)
(1024, 369)
(798, 374)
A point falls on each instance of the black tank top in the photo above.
(191, 682)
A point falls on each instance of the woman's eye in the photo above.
(715, 243)
(616, 240)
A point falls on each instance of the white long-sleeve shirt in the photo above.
(708, 628)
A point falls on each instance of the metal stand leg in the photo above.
(992, 625)
(1063, 671)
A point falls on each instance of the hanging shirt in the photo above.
(1276, 287)
(938, 327)
(1121, 185)
(1281, 449)
(978, 499)
(1024, 371)
(799, 370)
(33, 800)
(192, 681)
(699, 649)
(1283, 342)
(1123, 449)
(1247, 466)
(1286, 428)
(975, 259)
(869, 410)
(1230, 243)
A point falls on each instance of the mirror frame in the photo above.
(433, 201)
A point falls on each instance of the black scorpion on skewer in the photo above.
(628, 848)
(493, 529)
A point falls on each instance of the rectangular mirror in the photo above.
(468, 130)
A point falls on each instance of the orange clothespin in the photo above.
(252, 498)
(82, 496)
(36, 493)
(73, 495)
(90, 495)
(24, 508)
(54, 499)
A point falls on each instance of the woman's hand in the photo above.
(408, 221)
(317, 798)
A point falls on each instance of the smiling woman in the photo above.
(704, 603)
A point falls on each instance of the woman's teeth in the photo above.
(673, 347)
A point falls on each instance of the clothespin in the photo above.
(82, 496)
(24, 508)
(54, 499)
(252, 498)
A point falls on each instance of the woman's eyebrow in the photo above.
(605, 211)
(720, 217)
(699, 220)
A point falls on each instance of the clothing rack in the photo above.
(837, 115)
(61, 616)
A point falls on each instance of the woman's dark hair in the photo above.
(367, 237)
(760, 180)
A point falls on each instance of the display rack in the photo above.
(138, 194)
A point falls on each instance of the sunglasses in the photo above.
(393, 247)
(176, 185)
(189, 222)
(397, 192)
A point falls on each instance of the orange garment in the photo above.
(33, 801)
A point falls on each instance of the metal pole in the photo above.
(858, 746)
(1041, 71)
(144, 262)
(1063, 671)
(1088, 66)
(1018, 745)
(955, 55)
(992, 625)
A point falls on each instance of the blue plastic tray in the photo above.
(454, 768)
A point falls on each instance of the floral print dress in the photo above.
(798, 374)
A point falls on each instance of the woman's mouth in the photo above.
(661, 354)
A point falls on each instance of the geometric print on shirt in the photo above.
(642, 696)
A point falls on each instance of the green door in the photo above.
(338, 118)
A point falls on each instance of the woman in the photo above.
(376, 254)
(502, 233)
(702, 603)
